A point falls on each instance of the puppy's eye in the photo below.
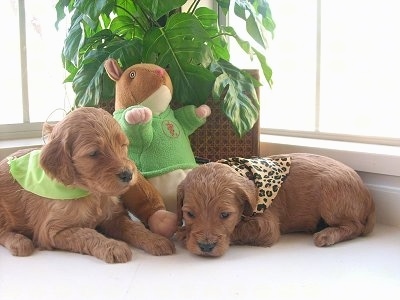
(94, 154)
(190, 215)
(132, 74)
(224, 215)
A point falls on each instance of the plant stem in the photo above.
(149, 20)
(193, 6)
(132, 16)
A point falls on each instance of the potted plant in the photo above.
(191, 44)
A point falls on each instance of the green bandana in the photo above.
(27, 171)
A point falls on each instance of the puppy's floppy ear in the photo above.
(247, 194)
(180, 195)
(47, 129)
(55, 158)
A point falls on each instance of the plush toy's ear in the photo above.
(55, 158)
(113, 69)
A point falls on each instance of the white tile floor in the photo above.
(292, 269)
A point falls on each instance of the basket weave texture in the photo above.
(216, 139)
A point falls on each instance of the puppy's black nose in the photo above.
(206, 247)
(125, 176)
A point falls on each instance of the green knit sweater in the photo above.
(162, 144)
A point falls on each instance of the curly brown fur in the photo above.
(87, 149)
(216, 203)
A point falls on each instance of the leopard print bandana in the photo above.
(266, 173)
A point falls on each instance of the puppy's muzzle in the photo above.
(125, 176)
(206, 247)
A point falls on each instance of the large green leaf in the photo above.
(71, 69)
(88, 82)
(245, 45)
(209, 20)
(91, 10)
(262, 8)
(239, 98)
(126, 27)
(265, 67)
(257, 9)
(181, 48)
(245, 11)
(159, 8)
(73, 41)
(60, 7)
(126, 52)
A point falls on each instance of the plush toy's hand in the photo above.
(138, 115)
(203, 111)
(163, 222)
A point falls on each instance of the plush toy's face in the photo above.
(159, 100)
(138, 83)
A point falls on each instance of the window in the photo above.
(335, 65)
(32, 80)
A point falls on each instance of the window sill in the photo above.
(377, 159)
(9, 146)
(368, 158)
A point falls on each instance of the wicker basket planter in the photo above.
(216, 139)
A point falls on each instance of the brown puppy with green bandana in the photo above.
(65, 195)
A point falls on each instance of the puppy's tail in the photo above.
(371, 219)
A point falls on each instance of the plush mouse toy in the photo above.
(159, 143)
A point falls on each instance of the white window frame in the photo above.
(366, 154)
(26, 130)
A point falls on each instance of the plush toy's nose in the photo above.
(160, 72)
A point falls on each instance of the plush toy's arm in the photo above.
(191, 117)
(136, 122)
(146, 203)
(142, 199)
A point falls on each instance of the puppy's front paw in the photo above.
(158, 245)
(180, 234)
(256, 231)
(20, 245)
(114, 252)
(325, 237)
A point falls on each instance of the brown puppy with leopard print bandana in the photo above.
(254, 201)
